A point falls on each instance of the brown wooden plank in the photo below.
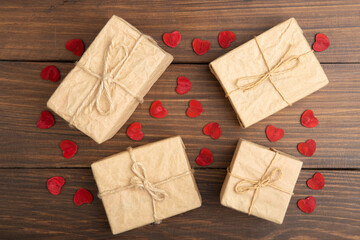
(24, 96)
(39, 30)
(29, 211)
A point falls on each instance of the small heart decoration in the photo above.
(172, 39)
(54, 185)
(183, 85)
(157, 110)
(205, 158)
(83, 196)
(213, 130)
(307, 205)
(321, 42)
(308, 119)
(274, 134)
(50, 73)
(225, 38)
(46, 120)
(76, 46)
(200, 47)
(194, 109)
(134, 131)
(69, 148)
(317, 182)
(307, 148)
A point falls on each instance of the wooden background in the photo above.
(33, 35)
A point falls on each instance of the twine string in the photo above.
(106, 80)
(264, 181)
(271, 72)
(140, 181)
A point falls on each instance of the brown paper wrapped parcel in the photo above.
(109, 81)
(146, 184)
(260, 181)
(269, 72)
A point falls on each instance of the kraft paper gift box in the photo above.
(268, 73)
(109, 81)
(260, 181)
(146, 184)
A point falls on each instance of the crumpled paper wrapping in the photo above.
(132, 208)
(250, 161)
(246, 60)
(145, 65)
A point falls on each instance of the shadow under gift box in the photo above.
(104, 88)
(268, 73)
(260, 181)
(146, 184)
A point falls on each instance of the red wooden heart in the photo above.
(317, 182)
(308, 119)
(205, 158)
(321, 42)
(225, 38)
(69, 148)
(50, 73)
(200, 46)
(194, 109)
(307, 148)
(134, 131)
(46, 120)
(54, 185)
(82, 196)
(76, 46)
(183, 85)
(172, 39)
(213, 130)
(307, 205)
(274, 134)
(157, 110)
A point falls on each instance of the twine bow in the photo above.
(108, 78)
(284, 61)
(141, 181)
(267, 180)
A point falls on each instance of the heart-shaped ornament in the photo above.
(134, 131)
(225, 38)
(321, 42)
(69, 148)
(307, 148)
(183, 85)
(194, 109)
(200, 46)
(46, 120)
(76, 46)
(213, 130)
(54, 185)
(307, 205)
(172, 39)
(308, 119)
(317, 182)
(205, 158)
(50, 73)
(83, 196)
(157, 110)
(274, 134)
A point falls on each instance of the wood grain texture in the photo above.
(38, 30)
(24, 95)
(33, 35)
(29, 211)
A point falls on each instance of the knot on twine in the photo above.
(283, 62)
(140, 181)
(107, 79)
(267, 180)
